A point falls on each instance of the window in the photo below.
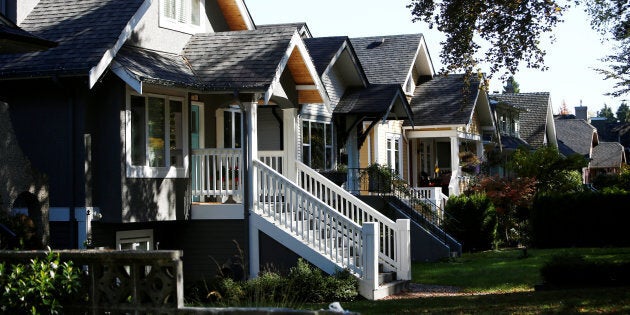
(317, 144)
(136, 240)
(155, 130)
(393, 152)
(232, 126)
(182, 15)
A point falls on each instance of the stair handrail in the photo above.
(355, 209)
(273, 187)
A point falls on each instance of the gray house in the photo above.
(179, 124)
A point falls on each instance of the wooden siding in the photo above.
(334, 86)
(233, 16)
(475, 127)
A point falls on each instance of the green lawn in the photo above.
(503, 283)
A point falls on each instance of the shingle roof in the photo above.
(15, 40)
(387, 59)
(84, 30)
(442, 101)
(374, 99)
(607, 154)
(242, 59)
(513, 143)
(323, 49)
(533, 121)
(576, 135)
(149, 66)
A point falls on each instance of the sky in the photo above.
(571, 59)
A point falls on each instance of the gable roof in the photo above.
(576, 136)
(533, 118)
(608, 155)
(375, 100)
(16, 40)
(323, 50)
(441, 101)
(242, 59)
(88, 33)
(387, 59)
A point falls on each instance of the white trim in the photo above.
(96, 71)
(174, 25)
(134, 236)
(217, 212)
(242, 7)
(127, 77)
(202, 122)
(143, 171)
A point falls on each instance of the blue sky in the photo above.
(570, 59)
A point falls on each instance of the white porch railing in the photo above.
(309, 219)
(393, 254)
(273, 159)
(216, 172)
(437, 199)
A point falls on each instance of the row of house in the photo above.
(181, 124)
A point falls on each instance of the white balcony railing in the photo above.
(216, 172)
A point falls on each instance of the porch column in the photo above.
(479, 148)
(290, 126)
(250, 128)
(414, 162)
(352, 148)
(452, 187)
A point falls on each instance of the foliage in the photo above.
(512, 200)
(471, 221)
(302, 284)
(551, 171)
(379, 178)
(24, 229)
(619, 182)
(469, 162)
(513, 30)
(623, 112)
(511, 86)
(580, 219)
(606, 112)
(41, 287)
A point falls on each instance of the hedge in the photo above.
(587, 219)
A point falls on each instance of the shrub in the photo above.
(471, 220)
(303, 284)
(42, 286)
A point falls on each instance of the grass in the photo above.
(502, 282)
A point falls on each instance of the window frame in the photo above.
(328, 165)
(168, 170)
(394, 154)
(174, 24)
(134, 236)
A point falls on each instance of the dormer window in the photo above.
(182, 15)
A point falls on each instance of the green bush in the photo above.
(303, 284)
(41, 287)
(471, 221)
(574, 270)
(584, 219)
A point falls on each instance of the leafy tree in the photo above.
(607, 113)
(623, 113)
(552, 171)
(513, 31)
(511, 86)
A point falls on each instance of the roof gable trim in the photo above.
(98, 70)
(127, 77)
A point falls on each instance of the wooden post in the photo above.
(251, 187)
(453, 187)
(290, 125)
(369, 282)
(403, 249)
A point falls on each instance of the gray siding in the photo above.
(269, 128)
(203, 242)
(334, 86)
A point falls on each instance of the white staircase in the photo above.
(331, 228)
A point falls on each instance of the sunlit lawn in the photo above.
(502, 282)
